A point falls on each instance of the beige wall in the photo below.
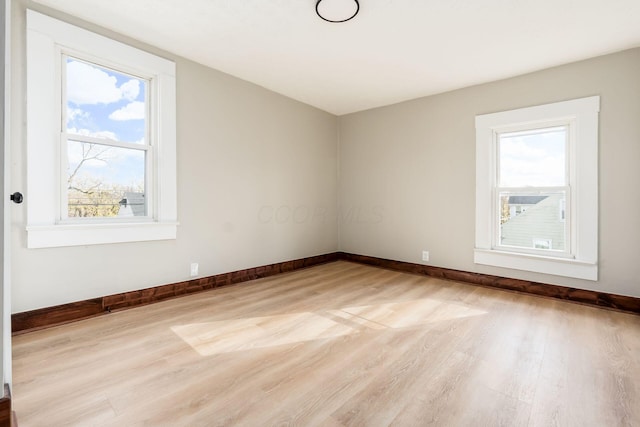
(409, 170)
(257, 184)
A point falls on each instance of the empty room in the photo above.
(320, 213)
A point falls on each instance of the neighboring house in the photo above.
(519, 204)
(132, 205)
(539, 225)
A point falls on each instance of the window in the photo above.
(532, 175)
(536, 188)
(105, 142)
(100, 139)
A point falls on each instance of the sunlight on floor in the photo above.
(258, 332)
(411, 313)
(225, 336)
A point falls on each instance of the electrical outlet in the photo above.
(194, 269)
(425, 255)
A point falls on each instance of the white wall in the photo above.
(413, 164)
(257, 184)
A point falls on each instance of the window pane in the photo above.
(105, 181)
(103, 103)
(534, 158)
(533, 221)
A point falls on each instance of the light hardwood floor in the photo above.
(340, 344)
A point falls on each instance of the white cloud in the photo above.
(548, 171)
(104, 134)
(522, 165)
(534, 160)
(132, 111)
(87, 84)
(518, 149)
(76, 113)
(90, 85)
(130, 89)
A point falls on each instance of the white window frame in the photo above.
(582, 199)
(47, 40)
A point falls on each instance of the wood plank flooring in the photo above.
(341, 344)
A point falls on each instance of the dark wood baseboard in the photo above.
(5, 408)
(51, 316)
(65, 313)
(599, 299)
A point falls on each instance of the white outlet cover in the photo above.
(194, 269)
(425, 255)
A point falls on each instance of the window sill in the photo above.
(539, 264)
(51, 236)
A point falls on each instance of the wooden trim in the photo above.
(65, 313)
(599, 299)
(50, 316)
(5, 408)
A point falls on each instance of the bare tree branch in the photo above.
(81, 190)
(86, 156)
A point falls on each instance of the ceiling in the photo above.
(393, 50)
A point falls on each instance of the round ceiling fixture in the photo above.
(337, 11)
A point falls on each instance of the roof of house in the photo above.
(135, 201)
(525, 200)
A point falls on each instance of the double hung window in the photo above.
(105, 143)
(101, 139)
(537, 188)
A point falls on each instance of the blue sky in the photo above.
(106, 104)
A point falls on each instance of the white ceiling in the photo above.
(392, 51)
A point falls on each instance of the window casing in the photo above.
(51, 140)
(536, 188)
